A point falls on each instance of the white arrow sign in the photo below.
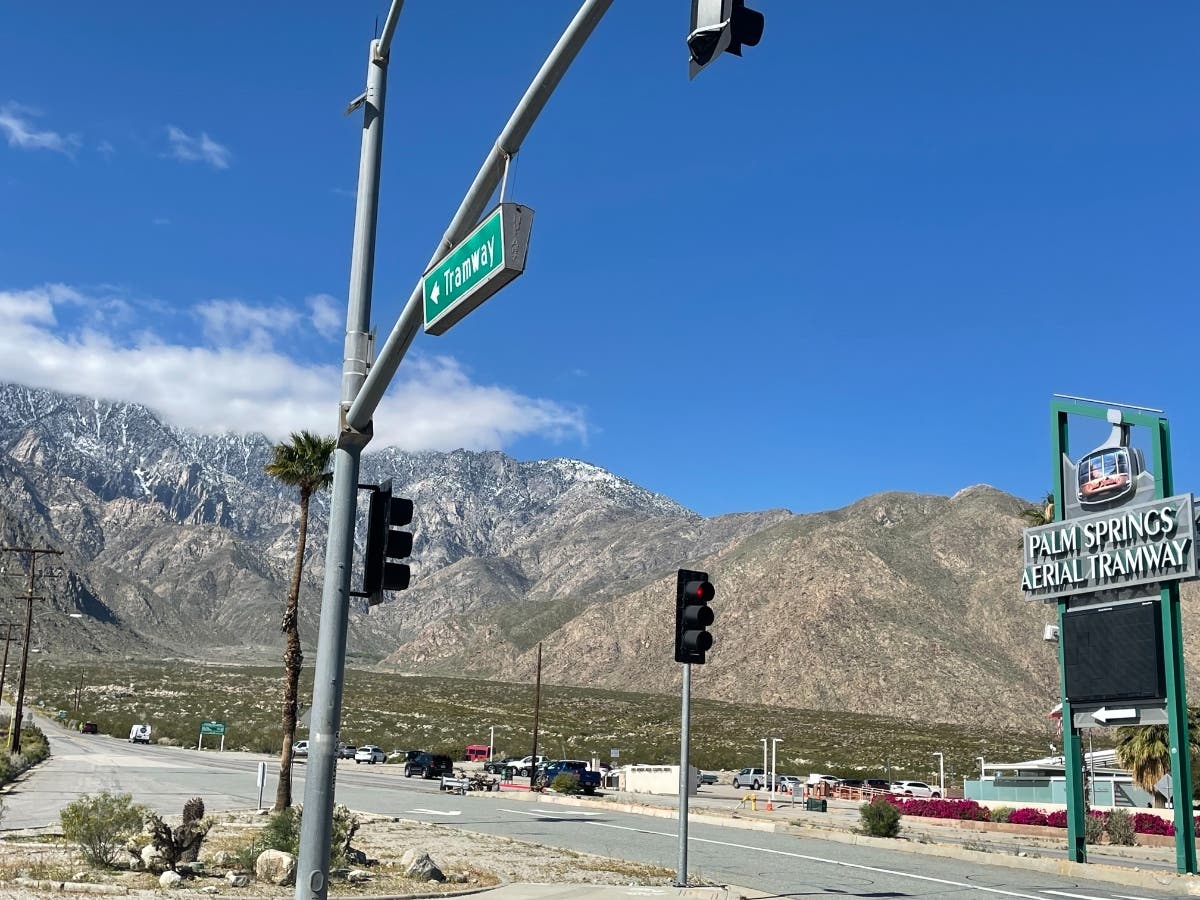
(1104, 715)
(436, 293)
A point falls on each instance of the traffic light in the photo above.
(720, 26)
(386, 544)
(693, 615)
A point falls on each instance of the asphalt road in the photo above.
(164, 777)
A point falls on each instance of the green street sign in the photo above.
(212, 728)
(477, 267)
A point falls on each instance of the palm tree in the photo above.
(301, 464)
(1145, 750)
(1040, 515)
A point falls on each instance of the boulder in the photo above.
(357, 876)
(418, 866)
(275, 867)
(152, 858)
(170, 879)
(237, 879)
(219, 860)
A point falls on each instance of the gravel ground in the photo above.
(471, 861)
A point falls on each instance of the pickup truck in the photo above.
(586, 780)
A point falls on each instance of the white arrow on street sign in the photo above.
(1105, 715)
(436, 293)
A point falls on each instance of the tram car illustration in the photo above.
(1108, 475)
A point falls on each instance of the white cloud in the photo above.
(16, 123)
(232, 323)
(186, 148)
(241, 384)
(328, 316)
(106, 149)
(160, 220)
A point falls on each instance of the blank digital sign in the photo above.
(1114, 653)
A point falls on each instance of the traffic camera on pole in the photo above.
(693, 615)
(720, 26)
(386, 544)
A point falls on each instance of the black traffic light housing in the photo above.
(693, 615)
(720, 26)
(386, 544)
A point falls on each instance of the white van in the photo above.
(139, 734)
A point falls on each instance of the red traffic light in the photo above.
(698, 591)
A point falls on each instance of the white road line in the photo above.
(1078, 896)
(831, 862)
(1127, 897)
(547, 814)
(437, 812)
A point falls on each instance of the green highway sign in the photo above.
(212, 728)
(477, 267)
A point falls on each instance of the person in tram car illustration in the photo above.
(1103, 476)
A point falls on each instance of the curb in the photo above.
(1133, 877)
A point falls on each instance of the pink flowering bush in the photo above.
(1057, 818)
(1027, 816)
(1148, 823)
(941, 809)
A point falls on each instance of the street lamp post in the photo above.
(491, 742)
(941, 772)
(763, 741)
(774, 770)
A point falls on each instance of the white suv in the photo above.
(915, 789)
(369, 753)
(751, 778)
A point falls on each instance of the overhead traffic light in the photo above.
(693, 615)
(720, 26)
(386, 544)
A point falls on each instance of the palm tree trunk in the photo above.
(293, 659)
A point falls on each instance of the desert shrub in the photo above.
(100, 824)
(880, 818)
(1001, 813)
(565, 783)
(1057, 818)
(1093, 826)
(1120, 828)
(1027, 816)
(1148, 823)
(282, 832)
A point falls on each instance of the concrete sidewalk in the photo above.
(613, 892)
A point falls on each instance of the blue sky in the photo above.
(860, 258)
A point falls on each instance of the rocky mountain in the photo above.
(177, 544)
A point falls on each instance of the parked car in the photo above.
(370, 754)
(915, 789)
(300, 749)
(879, 784)
(346, 751)
(404, 755)
(751, 778)
(707, 778)
(789, 783)
(89, 728)
(139, 734)
(526, 764)
(585, 779)
(497, 766)
(429, 765)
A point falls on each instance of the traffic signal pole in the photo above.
(363, 386)
(685, 720)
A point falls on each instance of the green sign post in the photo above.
(477, 267)
(215, 728)
(1109, 478)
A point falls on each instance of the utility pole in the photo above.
(537, 708)
(14, 730)
(8, 627)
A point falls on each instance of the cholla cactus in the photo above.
(193, 810)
